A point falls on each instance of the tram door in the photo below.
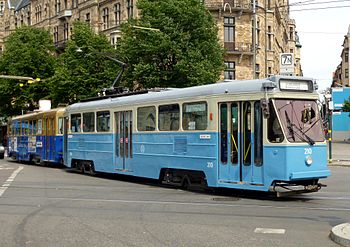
(49, 147)
(123, 140)
(237, 153)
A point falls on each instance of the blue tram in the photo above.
(261, 135)
(37, 137)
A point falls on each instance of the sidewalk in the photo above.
(341, 157)
(340, 154)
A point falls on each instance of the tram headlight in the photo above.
(308, 160)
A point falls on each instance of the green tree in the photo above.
(83, 69)
(174, 43)
(346, 105)
(28, 52)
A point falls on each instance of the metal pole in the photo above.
(254, 39)
(330, 136)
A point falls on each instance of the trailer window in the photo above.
(146, 118)
(169, 116)
(75, 123)
(194, 116)
(103, 121)
(60, 125)
(89, 122)
(40, 127)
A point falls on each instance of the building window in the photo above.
(130, 8)
(65, 31)
(229, 33)
(230, 71)
(87, 18)
(258, 33)
(269, 38)
(346, 74)
(2, 8)
(269, 71)
(117, 13)
(257, 71)
(28, 19)
(57, 6)
(105, 17)
(291, 33)
(346, 56)
(74, 3)
(55, 35)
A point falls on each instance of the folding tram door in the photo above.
(240, 142)
(123, 140)
(49, 150)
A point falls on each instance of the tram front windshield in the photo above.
(300, 120)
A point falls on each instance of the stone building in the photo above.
(341, 74)
(249, 54)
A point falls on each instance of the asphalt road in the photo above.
(41, 206)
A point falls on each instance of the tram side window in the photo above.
(75, 123)
(40, 127)
(194, 116)
(17, 128)
(169, 116)
(88, 122)
(146, 118)
(25, 128)
(274, 130)
(34, 127)
(60, 125)
(103, 121)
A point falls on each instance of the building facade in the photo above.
(253, 35)
(341, 74)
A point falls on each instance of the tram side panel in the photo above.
(194, 151)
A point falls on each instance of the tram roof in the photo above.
(222, 87)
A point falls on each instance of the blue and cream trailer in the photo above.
(261, 135)
(37, 136)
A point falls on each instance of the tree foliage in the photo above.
(28, 52)
(179, 49)
(83, 73)
(346, 105)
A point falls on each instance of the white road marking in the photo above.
(197, 204)
(8, 182)
(270, 230)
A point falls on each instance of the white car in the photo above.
(2, 152)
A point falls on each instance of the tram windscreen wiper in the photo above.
(290, 126)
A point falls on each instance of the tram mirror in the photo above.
(264, 103)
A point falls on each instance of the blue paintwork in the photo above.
(48, 148)
(152, 152)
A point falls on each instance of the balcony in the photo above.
(65, 14)
(238, 48)
(228, 5)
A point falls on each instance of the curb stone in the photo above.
(341, 234)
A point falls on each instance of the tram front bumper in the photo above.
(310, 174)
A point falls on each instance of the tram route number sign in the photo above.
(286, 64)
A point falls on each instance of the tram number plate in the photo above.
(307, 151)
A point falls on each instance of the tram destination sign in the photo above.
(296, 85)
